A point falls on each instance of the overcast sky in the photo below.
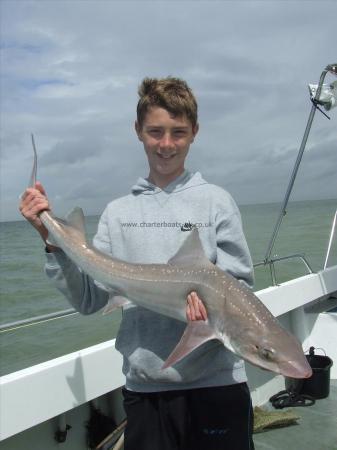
(70, 73)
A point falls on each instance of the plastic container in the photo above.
(318, 385)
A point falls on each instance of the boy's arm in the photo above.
(85, 294)
(233, 254)
(32, 202)
(82, 292)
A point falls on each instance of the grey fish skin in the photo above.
(236, 316)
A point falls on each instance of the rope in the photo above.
(286, 398)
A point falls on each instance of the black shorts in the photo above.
(207, 418)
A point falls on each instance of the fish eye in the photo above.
(267, 354)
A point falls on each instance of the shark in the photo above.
(235, 315)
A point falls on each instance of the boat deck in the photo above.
(316, 429)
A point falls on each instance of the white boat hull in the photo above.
(34, 400)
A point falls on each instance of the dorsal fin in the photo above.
(75, 218)
(191, 252)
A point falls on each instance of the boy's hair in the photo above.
(172, 94)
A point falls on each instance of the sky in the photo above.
(70, 71)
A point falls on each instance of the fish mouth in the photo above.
(299, 368)
(295, 369)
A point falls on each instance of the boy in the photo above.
(203, 402)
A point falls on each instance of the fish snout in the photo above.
(296, 369)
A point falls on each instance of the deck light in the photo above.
(325, 95)
(332, 68)
(328, 95)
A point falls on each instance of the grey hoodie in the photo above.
(148, 226)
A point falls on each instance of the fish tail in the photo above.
(32, 180)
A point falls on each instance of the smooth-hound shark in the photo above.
(235, 316)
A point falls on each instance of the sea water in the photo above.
(26, 292)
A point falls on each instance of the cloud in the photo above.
(70, 75)
(75, 151)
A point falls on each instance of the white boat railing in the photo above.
(271, 264)
(11, 326)
(332, 236)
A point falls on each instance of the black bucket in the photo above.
(318, 385)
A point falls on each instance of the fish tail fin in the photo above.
(32, 180)
(196, 333)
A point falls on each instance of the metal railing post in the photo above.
(295, 169)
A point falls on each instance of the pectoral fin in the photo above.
(196, 333)
(115, 302)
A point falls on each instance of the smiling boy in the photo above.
(203, 402)
(166, 139)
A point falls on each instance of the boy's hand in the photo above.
(195, 308)
(33, 202)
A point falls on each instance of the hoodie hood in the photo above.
(185, 181)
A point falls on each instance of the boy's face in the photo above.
(166, 141)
